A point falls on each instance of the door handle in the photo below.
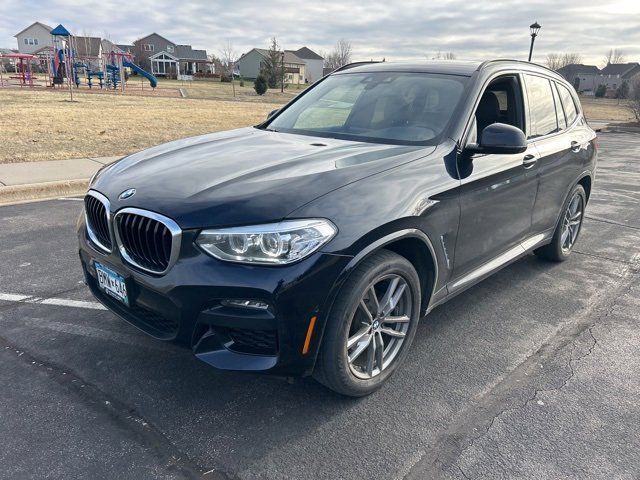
(575, 146)
(529, 161)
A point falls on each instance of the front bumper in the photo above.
(185, 305)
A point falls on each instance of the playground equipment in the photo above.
(23, 75)
(64, 67)
(115, 64)
(90, 75)
(62, 61)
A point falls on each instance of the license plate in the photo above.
(112, 283)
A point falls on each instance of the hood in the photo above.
(243, 176)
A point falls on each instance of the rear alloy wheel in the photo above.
(571, 223)
(371, 325)
(568, 228)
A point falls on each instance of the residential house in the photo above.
(192, 61)
(108, 46)
(584, 78)
(88, 51)
(124, 48)
(162, 57)
(615, 74)
(313, 64)
(34, 38)
(251, 63)
(6, 64)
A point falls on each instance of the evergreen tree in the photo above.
(271, 68)
(260, 85)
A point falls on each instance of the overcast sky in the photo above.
(397, 30)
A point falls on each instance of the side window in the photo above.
(541, 107)
(501, 102)
(568, 103)
(562, 121)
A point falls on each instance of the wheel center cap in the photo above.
(376, 324)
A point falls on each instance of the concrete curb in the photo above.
(41, 191)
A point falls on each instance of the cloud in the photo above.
(408, 29)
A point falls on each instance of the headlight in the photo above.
(269, 244)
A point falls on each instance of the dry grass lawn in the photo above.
(44, 125)
(211, 89)
(606, 109)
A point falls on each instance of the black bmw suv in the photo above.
(314, 242)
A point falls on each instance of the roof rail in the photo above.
(487, 62)
(354, 64)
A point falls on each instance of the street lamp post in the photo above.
(534, 27)
(282, 66)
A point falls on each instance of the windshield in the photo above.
(384, 107)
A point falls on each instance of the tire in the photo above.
(355, 371)
(560, 247)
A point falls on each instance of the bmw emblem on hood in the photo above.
(127, 194)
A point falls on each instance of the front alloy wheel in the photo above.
(371, 325)
(379, 326)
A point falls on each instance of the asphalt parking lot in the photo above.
(535, 373)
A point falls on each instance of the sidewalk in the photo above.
(12, 174)
(26, 181)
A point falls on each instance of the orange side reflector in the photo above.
(307, 341)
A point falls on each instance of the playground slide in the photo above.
(152, 80)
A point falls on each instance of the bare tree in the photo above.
(634, 98)
(613, 56)
(444, 56)
(227, 59)
(215, 64)
(556, 61)
(339, 56)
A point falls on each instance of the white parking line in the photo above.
(73, 303)
(11, 297)
(62, 302)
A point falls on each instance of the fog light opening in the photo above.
(242, 303)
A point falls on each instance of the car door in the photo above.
(562, 149)
(497, 192)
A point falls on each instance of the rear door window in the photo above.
(569, 105)
(562, 121)
(542, 109)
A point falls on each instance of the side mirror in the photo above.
(500, 138)
(272, 113)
